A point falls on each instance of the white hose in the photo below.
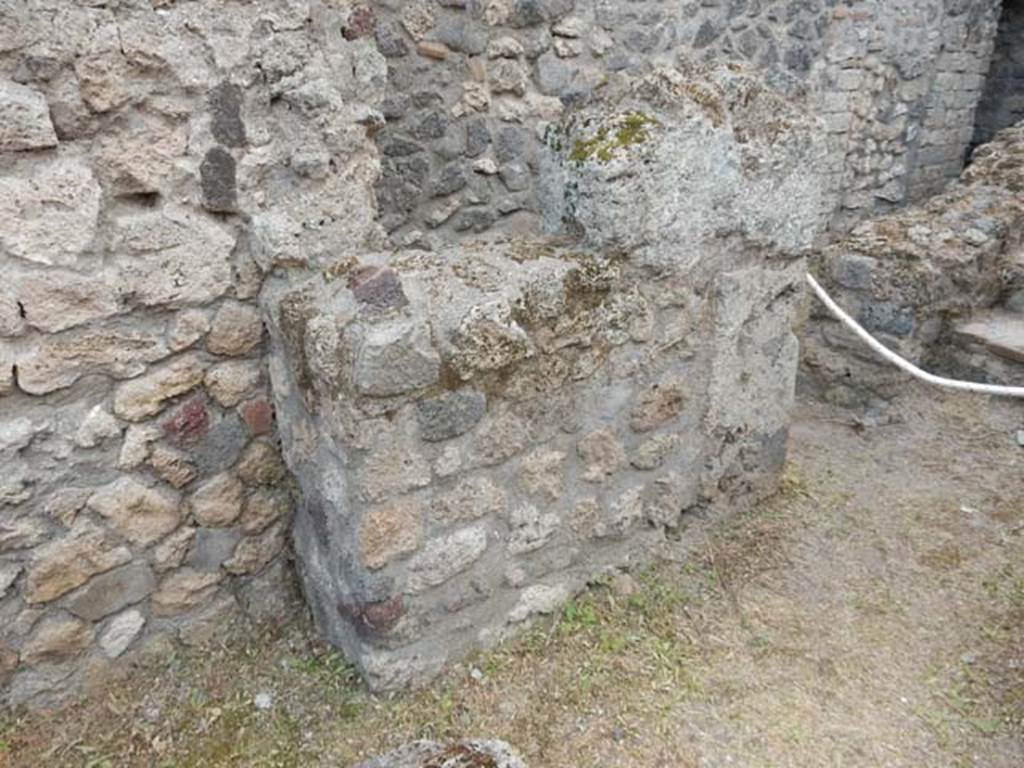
(899, 362)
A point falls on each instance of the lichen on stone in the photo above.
(340, 268)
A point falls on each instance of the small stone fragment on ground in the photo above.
(460, 754)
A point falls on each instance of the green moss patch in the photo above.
(630, 129)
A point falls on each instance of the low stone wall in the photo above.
(155, 160)
(910, 277)
(480, 430)
(474, 84)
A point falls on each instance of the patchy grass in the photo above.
(871, 613)
(612, 662)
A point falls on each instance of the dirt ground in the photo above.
(871, 614)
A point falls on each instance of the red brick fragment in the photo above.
(258, 414)
(189, 423)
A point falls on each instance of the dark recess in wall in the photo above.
(1002, 103)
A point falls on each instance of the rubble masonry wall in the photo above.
(155, 160)
(474, 85)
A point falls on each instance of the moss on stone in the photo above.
(630, 129)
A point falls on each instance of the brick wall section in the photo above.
(898, 96)
(938, 151)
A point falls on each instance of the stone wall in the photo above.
(480, 430)
(1002, 104)
(159, 159)
(473, 86)
(955, 66)
(912, 277)
(155, 160)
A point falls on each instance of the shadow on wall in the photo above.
(1002, 103)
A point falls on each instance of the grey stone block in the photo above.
(225, 103)
(450, 415)
(494, 754)
(217, 178)
(109, 592)
(212, 547)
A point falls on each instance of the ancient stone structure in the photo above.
(154, 162)
(175, 176)
(941, 283)
(473, 85)
(1002, 103)
(480, 430)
